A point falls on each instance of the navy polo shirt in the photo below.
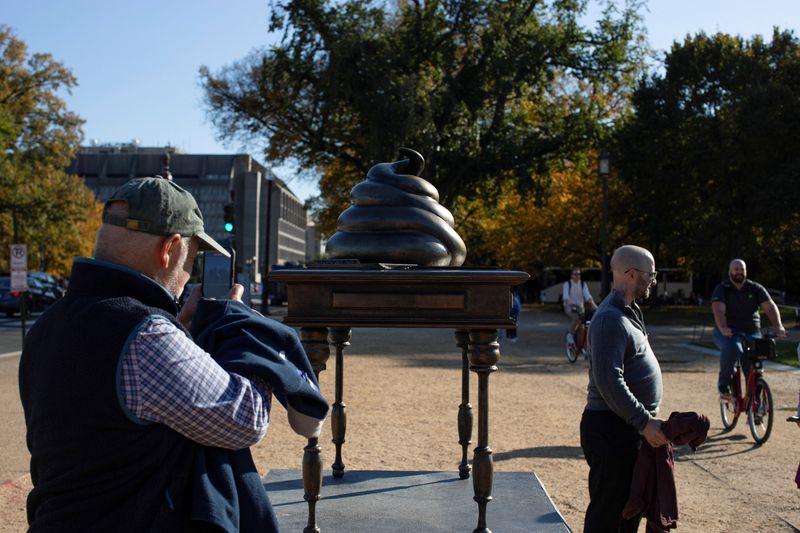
(741, 305)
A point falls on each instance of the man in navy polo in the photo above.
(735, 304)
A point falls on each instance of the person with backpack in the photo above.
(735, 304)
(574, 296)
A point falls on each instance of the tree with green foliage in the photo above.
(56, 213)
(712, 156)
(489, 91)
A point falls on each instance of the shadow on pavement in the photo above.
(720, 444)
(547, 452)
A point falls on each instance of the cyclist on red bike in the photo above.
(575, 293)
(735, 304)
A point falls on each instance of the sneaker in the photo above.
(725, 395)
(570, 339)
(758, 414)
(760, 410)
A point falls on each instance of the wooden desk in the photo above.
(326, 303)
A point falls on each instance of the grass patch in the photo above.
(785, 351)
(678, 315)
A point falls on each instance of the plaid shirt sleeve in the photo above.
(168, 379)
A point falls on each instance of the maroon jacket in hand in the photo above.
(653, 485)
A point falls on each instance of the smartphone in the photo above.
(217, 274)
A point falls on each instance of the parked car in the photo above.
(778, 296)
(277, 290)
(43, 290)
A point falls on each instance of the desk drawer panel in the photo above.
(361, 300)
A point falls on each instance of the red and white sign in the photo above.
(19, 267)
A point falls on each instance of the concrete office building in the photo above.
(270, 221)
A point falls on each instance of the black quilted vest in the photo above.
(93, 467)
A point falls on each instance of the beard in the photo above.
(644, 293)
(737, 278)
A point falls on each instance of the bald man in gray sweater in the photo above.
(624, 392)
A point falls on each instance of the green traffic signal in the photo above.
(230, 217)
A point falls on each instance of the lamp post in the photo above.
(603, 168)
(265, 279)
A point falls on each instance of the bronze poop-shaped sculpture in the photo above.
(396, 218)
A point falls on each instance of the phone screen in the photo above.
(217, 275)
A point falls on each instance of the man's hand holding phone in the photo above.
(236, 292)
(217, 284)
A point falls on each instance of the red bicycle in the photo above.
(757, 398)
(580, 346)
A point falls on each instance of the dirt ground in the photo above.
(402, 390)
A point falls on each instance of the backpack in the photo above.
(583, 284)
(561, 296)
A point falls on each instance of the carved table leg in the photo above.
(339, 337)
(315, 342)
(465, 409)
(484, 352)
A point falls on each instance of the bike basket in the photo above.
(764, 349)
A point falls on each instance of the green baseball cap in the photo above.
(161, 207)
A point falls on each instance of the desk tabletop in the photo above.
(401, 274)
(472, 298)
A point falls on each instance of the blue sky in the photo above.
(137, 61)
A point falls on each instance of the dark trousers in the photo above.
(610, 447)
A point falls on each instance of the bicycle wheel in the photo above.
(571, 350)
(727, 407)
(760, 412)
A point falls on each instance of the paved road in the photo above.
(11, 333)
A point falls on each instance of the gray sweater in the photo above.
(624, 376)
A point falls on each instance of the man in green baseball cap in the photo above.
(119, 399)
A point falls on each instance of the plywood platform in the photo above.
(392, 501)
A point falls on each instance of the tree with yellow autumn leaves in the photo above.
(56, 214)
(557, 224)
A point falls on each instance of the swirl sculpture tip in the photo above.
(415, 161)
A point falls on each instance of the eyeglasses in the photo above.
(653, 275)
(576, 273)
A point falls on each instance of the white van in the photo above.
(674, 284)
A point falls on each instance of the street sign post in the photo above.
(19, 267)
(18, 263)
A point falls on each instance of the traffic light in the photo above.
(230, 218)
